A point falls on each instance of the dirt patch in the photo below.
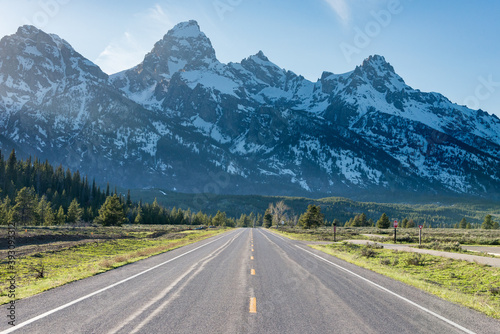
(26, 250)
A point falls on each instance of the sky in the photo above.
(446, 46)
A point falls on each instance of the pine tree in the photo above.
(268, 219)
(259, 220)
(383, 222)
(312, 218)
(138, 219)
(50, 217)
(111, 212)
(220, 219)
(60, 216)
(23, 211)
(463, 223)
(41, 210)
(487, 223)
(128, 203)
(74, 212)
(5, 211)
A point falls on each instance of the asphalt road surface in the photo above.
(244, 281)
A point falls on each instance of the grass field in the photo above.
(52, 256)
(404, 235)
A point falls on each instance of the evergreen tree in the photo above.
(60, 216)
(23, 211)
(359, 221)
(404, 223)
(138, 219)
(41, 210)
(487, 223)
(11, 167)
(268, 219)
(259, 221)
(75, 212)
(5, 211)
(463, 223)
(244, 221)
(111, 212)
(312, 218)
(383, 222)
(220, 219)
(128, 203)
(50, 217)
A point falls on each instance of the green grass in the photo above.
(472, 285)
(77, 262)
(321, 234)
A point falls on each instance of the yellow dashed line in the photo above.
(251, 257)
(252, 272)
(253, 305)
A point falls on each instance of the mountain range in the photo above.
(183, 121)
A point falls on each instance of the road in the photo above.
(244, 281)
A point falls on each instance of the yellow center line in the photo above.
(253, 305)
(252, 249)
(251, 257)
(252, 272)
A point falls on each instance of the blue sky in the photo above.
(448, 46)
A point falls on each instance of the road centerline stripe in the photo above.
(252, 272)
(253, 305)
(392, 293)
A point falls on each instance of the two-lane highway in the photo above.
(244, 281)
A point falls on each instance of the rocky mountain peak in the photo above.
(378, 63)
(377, 72)
(183, 47)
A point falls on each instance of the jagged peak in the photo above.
(261, 59)
(188, 29)
(261, 56)
(29, 31)
(378, 63)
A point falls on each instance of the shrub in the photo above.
(368, 252)
(416, 259)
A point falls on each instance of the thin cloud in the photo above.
(341, 8)
(129, 49)
(121, 54)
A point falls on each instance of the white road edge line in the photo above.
(277, 236)
(392, 293)
(43, 315)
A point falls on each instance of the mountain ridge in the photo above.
(183, 120)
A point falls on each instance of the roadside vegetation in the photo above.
(47, 257)
(470, 284)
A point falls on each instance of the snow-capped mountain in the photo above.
(184, 121)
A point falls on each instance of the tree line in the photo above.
(279, 213)
(35, 193)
